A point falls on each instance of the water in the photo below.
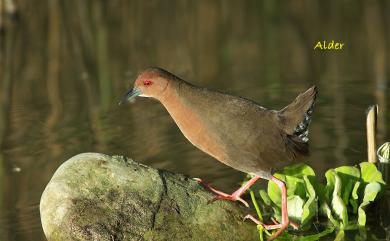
(65, 64)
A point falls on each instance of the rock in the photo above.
(98, 197)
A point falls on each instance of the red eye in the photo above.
(148, 82)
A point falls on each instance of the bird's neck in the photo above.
(170, 96)
(179, 105)
(172, 102)
(167, 95)
(175, 101)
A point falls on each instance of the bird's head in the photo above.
(149, 83)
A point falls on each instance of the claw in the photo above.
(294, 225)
(243, 202)
(236, 196)
(197, 179)
(274, 220)
(253, 219)
(229, 198)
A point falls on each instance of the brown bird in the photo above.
(236, 131)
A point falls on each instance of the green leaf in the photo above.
(298, 170)
(346, 190)
(340, 236)
(345, 187)
(338, 206)
(354, 197)
(362, 235)
(354, 205)
(351, 226)
(296, 186)
(318, 187)
(329, 184)
(277, 213)
(370, 192)
(348, 171)
(293, 177)
(310, 207)
(317, 236)
(370, 173)
(274, 192)
(294, 207)
(349, 176)
(326, 210)
(265, 197)
(355, 190)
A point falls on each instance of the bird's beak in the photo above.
(130, 94)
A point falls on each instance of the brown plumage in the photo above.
(236, 131)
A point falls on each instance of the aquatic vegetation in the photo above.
(342, 200)
(384, 152)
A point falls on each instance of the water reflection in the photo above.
(64, 65)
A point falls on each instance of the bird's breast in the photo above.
(193, 127)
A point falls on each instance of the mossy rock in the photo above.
(98, 197)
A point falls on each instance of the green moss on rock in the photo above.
(98, 197)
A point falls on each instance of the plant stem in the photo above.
(256, 206)
(372, 113)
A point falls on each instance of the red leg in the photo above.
(285, 221)
(235, 196)
(282, 187)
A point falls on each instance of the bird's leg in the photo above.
(285, 220)
(235, 196)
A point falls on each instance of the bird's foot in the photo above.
(229, 197)
(291, 223)
(281, 226)
(236, 196)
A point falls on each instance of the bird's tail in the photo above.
(295, 118)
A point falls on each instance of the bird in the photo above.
(234, 130)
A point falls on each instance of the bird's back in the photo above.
(251, 138)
